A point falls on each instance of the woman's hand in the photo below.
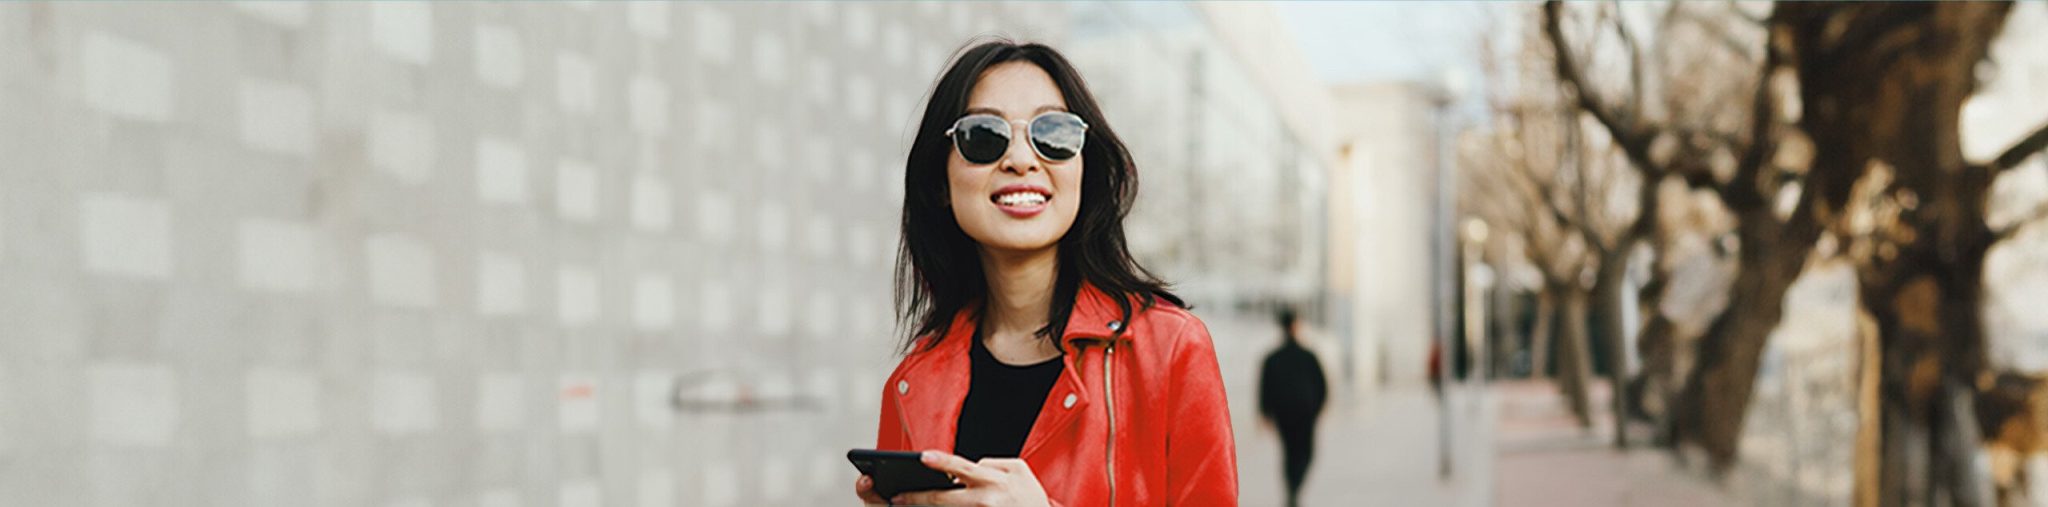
(993, 482)
(865, 487)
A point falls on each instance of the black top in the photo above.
(1002, 403)
(1291, 386)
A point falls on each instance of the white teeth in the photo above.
(1020, 199)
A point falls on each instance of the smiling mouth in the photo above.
(1021, 201)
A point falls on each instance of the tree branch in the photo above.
(1645, 223)
(1743, 190)
(2021, 151)
(1544, 196)
(1720, 34)
(1584, 176)
(1521, 183)
(1633, 137)
(1736, 8)
(2040, 212)
(1635, 62)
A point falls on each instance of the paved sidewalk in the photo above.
(1545, 459)
(1373, 448)
(1380, 451)
(1516, 447)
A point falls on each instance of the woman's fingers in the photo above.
(955, 466)
(865, 488)
(936, 497)
(1005, 465)
(992, 481)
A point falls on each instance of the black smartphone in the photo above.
(898, 472)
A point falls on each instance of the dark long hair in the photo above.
(938, 267)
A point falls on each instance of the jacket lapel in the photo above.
(1055, 415)
(1089, 328)
(938, 385)
(932, 400)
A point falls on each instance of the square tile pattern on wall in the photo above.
(392, 242)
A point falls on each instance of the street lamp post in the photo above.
(1478, 281)
(1445, 258)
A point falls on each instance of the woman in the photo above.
(1045, 366)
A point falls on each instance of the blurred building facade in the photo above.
(1231, 197)
(580, 254)
(1381, 236)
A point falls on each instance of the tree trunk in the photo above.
(1888, 92)
(1656, 382)
(1881, 85)
(1607, 285)
(1654, 386)
(1869, 451)
(1507, 340)
(1541, 331)
(1574, 357)
(1715, 398)
(1931, 437)
(1926, 304)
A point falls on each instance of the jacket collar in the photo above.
(1095, 317)
(932, 409)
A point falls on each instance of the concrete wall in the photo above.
(451, 254)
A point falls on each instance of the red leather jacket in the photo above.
(1137, 418)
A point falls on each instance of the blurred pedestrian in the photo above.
(1436, 368)
(1291, 395)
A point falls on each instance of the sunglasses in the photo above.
(1057, 136)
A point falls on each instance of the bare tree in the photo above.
(1527, 160)
(1868, 128)
(1691, 143)
(1921, 236)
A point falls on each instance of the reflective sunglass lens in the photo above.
(981, 139)
(1058, 136)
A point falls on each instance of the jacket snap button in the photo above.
(902, 386)
(1069, 403)
(1115, 325)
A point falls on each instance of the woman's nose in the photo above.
(1020, 158)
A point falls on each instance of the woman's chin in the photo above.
(1020, 243)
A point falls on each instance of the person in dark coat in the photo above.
(1291, 395)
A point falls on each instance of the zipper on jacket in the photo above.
(1109, 395)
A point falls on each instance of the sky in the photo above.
(1376, 41)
